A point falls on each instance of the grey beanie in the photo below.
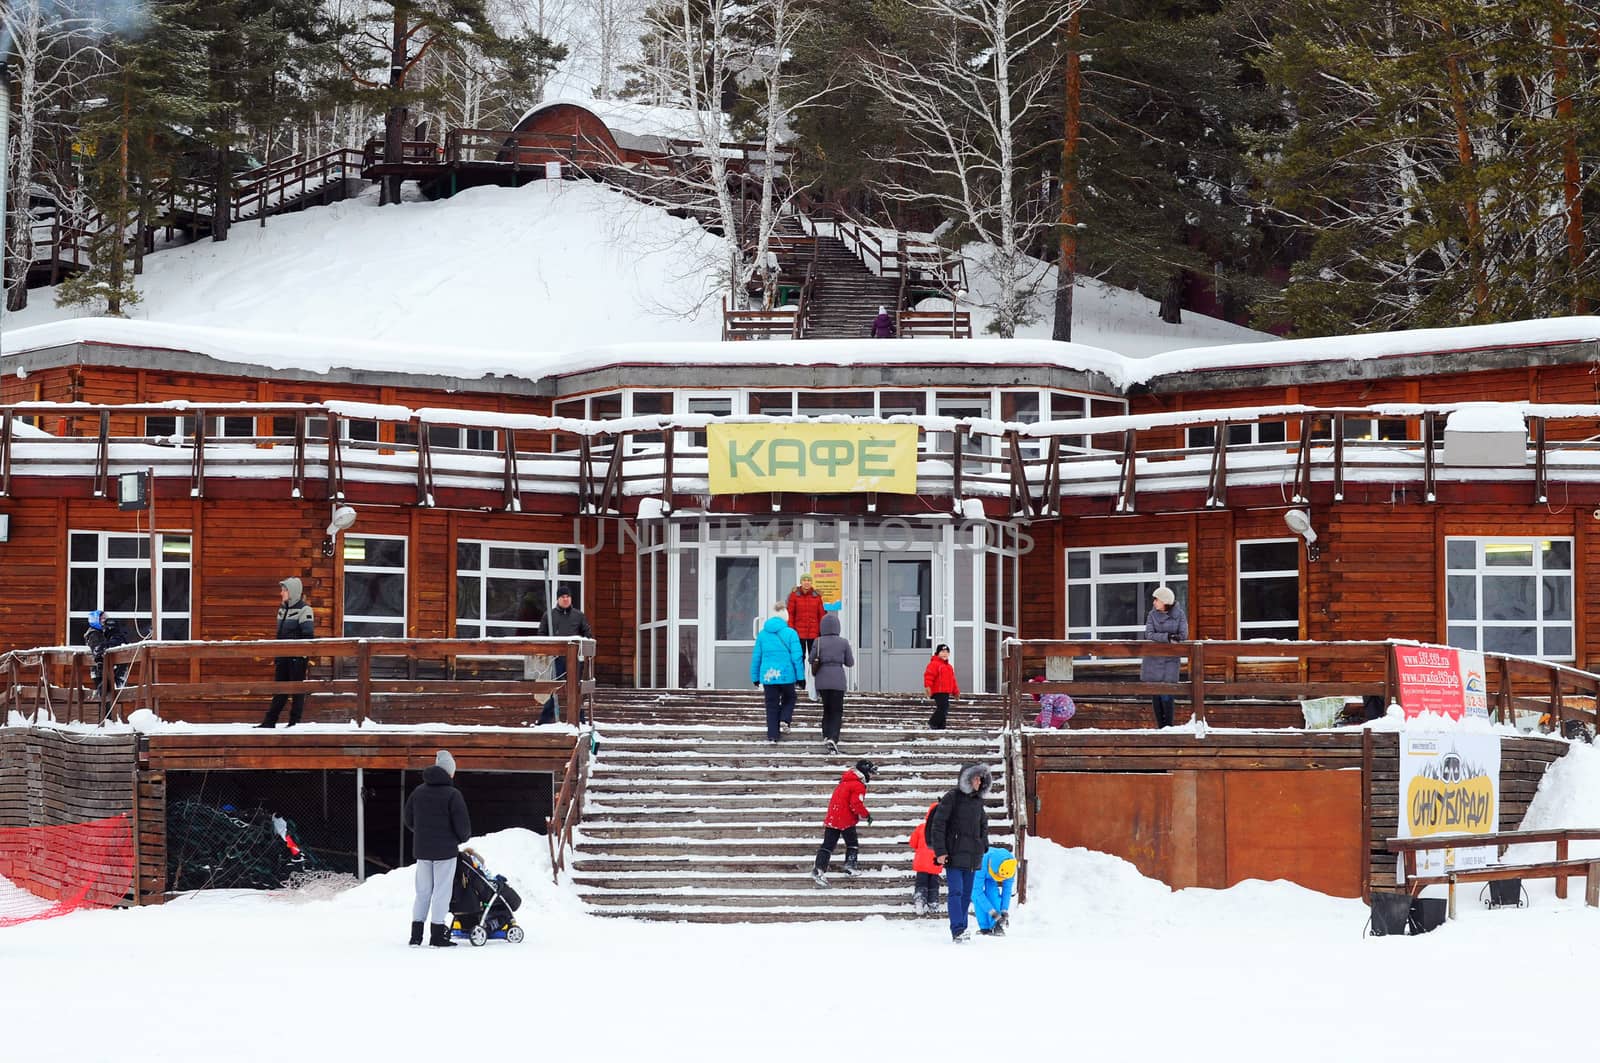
(444, 760)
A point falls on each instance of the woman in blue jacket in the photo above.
(776, 665)
(991, 892)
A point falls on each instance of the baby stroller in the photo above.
(482, 904)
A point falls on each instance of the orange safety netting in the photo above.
(50, 871)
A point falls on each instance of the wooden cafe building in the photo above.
(1440, 486)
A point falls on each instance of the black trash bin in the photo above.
(1427, 913)
(1391, 913)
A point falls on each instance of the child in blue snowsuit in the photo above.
(991, 890)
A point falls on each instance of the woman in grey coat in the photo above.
(830, 656)
(1166, 623)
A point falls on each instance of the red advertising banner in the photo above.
(1430, 680)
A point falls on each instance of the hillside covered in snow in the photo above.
(551, 266)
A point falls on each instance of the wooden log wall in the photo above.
(51, 778)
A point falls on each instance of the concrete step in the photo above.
(726, 811)
(790, 877)
(740, 914)
(808, 896)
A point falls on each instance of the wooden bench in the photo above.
(1560, 869)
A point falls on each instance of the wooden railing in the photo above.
(909, 259)
(758, 324)
(956, 324)
(1039, 468)
(1216, 681)
(1560, 869)
(568, 808)
(479, 681)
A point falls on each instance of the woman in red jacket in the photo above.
(846, 808)
(939, 680)
(805, 614)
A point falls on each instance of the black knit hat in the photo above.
(867, 769)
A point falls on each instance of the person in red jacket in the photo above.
(846, 808)
(939, 680)
(805, 614)
(925, 894)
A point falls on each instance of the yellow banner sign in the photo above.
(812, 458)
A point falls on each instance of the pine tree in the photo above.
(152, 94)
(382, 52)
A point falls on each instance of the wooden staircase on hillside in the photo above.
(692, 815)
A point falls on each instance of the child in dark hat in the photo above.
(846, 808)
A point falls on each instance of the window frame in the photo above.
(404, 572)
(552, 577)
(1246, 628)
(1098, 631)
(1537, 571)
(138, 564)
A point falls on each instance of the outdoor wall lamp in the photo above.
(343, 517)
(1299, 522)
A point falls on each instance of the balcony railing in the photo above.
(1042, 469)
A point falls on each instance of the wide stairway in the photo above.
(847, 294)
(693, 815)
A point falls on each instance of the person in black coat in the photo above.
(436, 816)
(563, 622)
(958, 834)
(295, 621)
(104, 634)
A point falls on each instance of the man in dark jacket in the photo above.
(958, 834)
(563, 622)
(104, 633)
(436, 815)
(295, 621)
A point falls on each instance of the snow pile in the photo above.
(522, 856)
(1102, 315)
(18, 903)
(1569, 796)
(1486, 417)
(550, 266)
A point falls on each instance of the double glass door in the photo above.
(896, 620)
(744, 588)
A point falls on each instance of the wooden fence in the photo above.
(396, 681)
(1226, 680)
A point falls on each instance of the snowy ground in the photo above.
(1101, 964)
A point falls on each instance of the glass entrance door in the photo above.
(896, 620)
(744, 588)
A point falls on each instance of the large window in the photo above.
(505, 590)
(1109, 588)
(111, 571)
(1269, 589)
(1240, 435)
(1510, 595)
(233, 426)
(374, 586)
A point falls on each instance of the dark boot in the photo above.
(850, 861)
(416, 933)
(823, 856)
(439, 936)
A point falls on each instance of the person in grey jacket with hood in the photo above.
(295, 621)
(830, 656)
(436, 816)
(1166, 623)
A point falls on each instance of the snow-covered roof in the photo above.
(319, 354)
(642, 120)
(1460, 340)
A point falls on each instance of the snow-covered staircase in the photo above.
(706, 821)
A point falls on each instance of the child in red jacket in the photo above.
(939, 680)
(926, 892)
(846, 808)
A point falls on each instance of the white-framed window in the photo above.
(317, 428)
(717, 405)
(1240, 435)
(111, 571)
(1109, 587)
(506, 589)
(374, 586)
(1269, 589)
(1388, 428)
(451, 437)
(1510, 595)
(229, 426)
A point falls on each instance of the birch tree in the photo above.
(53, 51)
(967, 93)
